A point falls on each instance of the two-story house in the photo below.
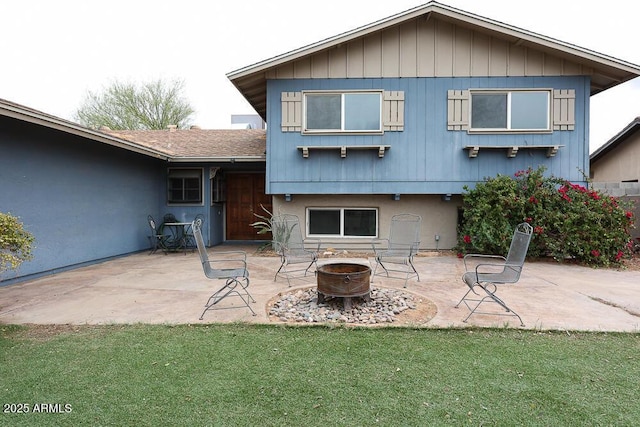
(396, 116)
(400, 115)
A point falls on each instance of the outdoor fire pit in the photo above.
(343, 280)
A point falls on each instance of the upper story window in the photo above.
(184, 186)
(515, 110)
(348, 112)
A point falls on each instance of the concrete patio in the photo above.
(172, 289)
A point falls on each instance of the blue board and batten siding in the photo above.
(82, 200)
(424, 158)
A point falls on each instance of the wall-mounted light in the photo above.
(446, 197)
(288, 197)
(396, 197)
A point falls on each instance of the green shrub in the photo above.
(15, 243)
(569, 220)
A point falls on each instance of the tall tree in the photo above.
(125, 106)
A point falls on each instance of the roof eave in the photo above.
(219, 159)
(41, 119)
(596, 60)
(616, 140)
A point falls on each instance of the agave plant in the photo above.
(275, 225)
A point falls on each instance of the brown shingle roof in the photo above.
(200, 143)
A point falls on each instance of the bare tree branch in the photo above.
(124, 106)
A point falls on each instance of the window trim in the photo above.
(509, 92)
(186, 203)
(342, 131)
(341, 209)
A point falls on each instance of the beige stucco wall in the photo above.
(621, 164)
(438, 217)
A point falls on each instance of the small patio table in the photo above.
(179, 233)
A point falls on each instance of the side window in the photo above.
(184, 186)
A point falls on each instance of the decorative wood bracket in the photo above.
(512, 150)
(343, 149)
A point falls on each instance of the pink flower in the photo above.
(629, 214)
(467, 239)
(533, 200)
(460, 255)
(528, 219)
(538, 230)
(595, 253)
(619, 255)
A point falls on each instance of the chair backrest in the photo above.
(152, 223)
(405, 232)
(169, 218)
(287, 234)
(196, 226)
(517, 251)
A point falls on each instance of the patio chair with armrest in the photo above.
(290, 245)
(395, 254)
(488, 271)
(230, 266)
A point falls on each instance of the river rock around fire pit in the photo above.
(386, 306)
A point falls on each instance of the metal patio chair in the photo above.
(230, 266)
(290, 245)
(395, 254)
(157, 240)
(189, 237)
(488, 271)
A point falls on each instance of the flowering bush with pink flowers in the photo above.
(569, 221)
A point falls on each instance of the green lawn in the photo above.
(250, 375)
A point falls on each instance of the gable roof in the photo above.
(617, 140)
(212, 145)
(29, 115)
(606, 71)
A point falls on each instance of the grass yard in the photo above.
(253, 375)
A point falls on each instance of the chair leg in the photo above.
(490, 291)
(229, 289)
(275, 278)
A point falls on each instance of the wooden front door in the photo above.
(245, 194)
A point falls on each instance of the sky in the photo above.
(54, 52)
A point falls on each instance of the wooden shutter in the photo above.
(457, 110)
(291, 111)
(393, 111)
(564, 109)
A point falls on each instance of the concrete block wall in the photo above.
(626, 191)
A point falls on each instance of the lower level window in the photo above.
(342, 222)
(184, 186)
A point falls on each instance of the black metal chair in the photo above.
(230, 266)
(157, 239)
(483, 277)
